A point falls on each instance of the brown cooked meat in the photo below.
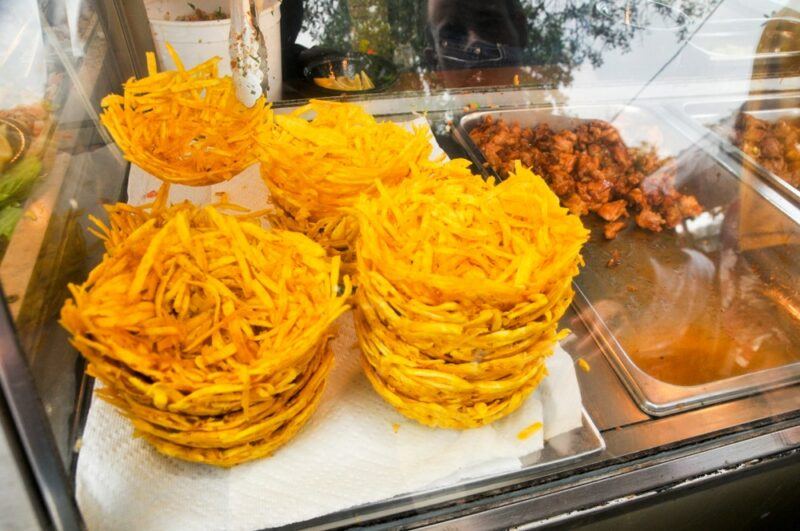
(592, 170)
(774, 145)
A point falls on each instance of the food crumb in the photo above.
(530, 430)
(200, 15)
(395, 427)
(631, 288)
(151, 194)
(615, 259)
(30, 215)
(584, 365)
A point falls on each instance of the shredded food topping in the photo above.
(185, 126)
(461, 286)
(317, 167)
(209, 332)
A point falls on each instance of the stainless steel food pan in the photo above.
(688, 297)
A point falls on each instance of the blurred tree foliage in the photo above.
(563, 34)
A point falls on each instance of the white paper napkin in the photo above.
(349, 454)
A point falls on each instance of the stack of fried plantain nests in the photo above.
(317, 168)
(462, 283)
(208, 332)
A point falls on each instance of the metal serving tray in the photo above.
(671, 316)
(737, 39)
(718, 117)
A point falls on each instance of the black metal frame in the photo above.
(29, 435)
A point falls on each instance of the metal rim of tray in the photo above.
(771, 178)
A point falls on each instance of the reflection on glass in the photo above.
(55, 168)
(25, 117)
(541, 41)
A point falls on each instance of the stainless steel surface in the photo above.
(561, 502)
(602, 292)
(566, 448)
(718, 116)
(609, 402)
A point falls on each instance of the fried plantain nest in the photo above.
(461, 286)
(316, 168)
(185, 126)
(207, 331)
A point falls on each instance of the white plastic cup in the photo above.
(198, 41)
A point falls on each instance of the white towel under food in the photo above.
(349, 454)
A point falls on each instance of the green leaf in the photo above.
(9, 216)
(16, 183)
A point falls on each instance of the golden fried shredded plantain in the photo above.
(315, 168)
(185, 126)
(209, 332)
(461, 286)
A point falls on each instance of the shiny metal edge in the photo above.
(713, 113)
(454, 100)
(659, 398)
(653, 396)
(560, 504)
(550, 461)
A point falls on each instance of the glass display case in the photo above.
(671, 127)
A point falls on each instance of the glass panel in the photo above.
(557, 43)
(670, 125)
(55, 66)
(16, 510)
(440, 45)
